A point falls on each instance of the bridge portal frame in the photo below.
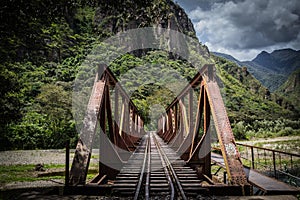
(190, 135)
(119, 133)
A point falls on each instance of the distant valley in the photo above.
(272, 69)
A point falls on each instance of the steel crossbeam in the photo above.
(192, 139)
(119, 131)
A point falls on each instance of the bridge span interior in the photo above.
(179, 159)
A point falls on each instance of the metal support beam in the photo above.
(191, 120)
(207, 143)
(211, 105)
(113, 150)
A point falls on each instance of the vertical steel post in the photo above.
(224, 177)
(274, 164)
(134, 121)
(191, 125)
(176, 119)
(139, 125)
(67, 173)
(109, 115)
(207, 144)
(102, 123)
(252, 158)
(116, 115)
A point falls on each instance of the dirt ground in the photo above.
(54, 156)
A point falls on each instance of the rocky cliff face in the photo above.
(115, 16)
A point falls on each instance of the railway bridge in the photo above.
(188, 155)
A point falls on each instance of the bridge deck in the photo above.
(267, 184)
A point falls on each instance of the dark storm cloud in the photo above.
(269, 21)
(246, 26)
(189, 5)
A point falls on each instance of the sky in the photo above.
(244, 28)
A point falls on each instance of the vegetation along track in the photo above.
(154, 170)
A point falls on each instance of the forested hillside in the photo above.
(271, 69)
(291, 88)
(43, 43)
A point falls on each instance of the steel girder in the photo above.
(118, 134)
(187, 140)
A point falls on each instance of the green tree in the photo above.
(55, 102)
(48, 123)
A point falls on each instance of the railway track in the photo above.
(155, 170)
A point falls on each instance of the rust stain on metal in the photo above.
(99, 110)
(215, 106)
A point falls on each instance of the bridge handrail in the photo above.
(267, 149)
(268, 166)
(274, 165)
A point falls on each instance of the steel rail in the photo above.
(147, 184)
(174, 175)
(171, 170)
(139, 185)
(164, 164)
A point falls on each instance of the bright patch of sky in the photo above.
(244, 28)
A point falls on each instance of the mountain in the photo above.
(268, 77)
(271, 69)
(115, 16)
(245, 94)
(291, 88)
(228, 57)
(119, 15)
(283, 61)
(44, 43)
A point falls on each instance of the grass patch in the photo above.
(21, 173)
(14, 173)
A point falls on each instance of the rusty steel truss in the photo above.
(119, 134)
(190, 134)
(186, 131)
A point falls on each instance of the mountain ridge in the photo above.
(283, 61)
(271, 69)
(43, 52)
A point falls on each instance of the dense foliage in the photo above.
(43, 43)
(291, 88)
(152, 80)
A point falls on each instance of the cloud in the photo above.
(189, 5)
(247, 27)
